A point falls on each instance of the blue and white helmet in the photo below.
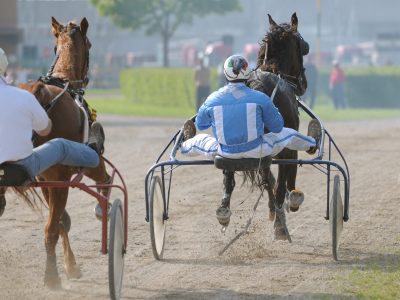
(236, 68)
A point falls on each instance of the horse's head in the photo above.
(281, 52)
(72, 52)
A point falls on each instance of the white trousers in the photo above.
(273, 143)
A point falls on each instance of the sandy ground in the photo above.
(255, 266)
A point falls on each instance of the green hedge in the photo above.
(367, 87)
(161, 86)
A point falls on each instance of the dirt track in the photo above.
(255, 266)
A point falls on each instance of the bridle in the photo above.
(64, 84)
(303, 49)
(84, 81)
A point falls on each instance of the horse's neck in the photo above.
(266, 82)
(69, 68)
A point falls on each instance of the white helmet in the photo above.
(236, 68)
(3, 62)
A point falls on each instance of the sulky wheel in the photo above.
(336, 216)
(116, 250)
(157, 217)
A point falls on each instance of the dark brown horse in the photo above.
(280, 64)
(69, 70)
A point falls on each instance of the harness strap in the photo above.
(275, 88)
(53, 102)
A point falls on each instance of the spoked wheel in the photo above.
(336, 216)
(116, 250)
(157, 218)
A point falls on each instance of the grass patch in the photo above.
(376, 281)
(120, 106)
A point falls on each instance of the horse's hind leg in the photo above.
(224, 212)
(70, 265)
(57, 199)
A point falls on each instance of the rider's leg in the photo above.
(201, 144)
(59, 151)
(288, 138)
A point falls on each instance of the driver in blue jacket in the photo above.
(238, 115)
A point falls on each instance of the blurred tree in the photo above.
(161, 16)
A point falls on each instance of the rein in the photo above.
(54, 101)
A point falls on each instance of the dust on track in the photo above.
(253, 267)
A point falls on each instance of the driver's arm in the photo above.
(47, 130)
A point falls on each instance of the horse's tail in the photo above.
(30, 197)
(262, 179)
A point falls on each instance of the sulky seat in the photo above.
(13, 175)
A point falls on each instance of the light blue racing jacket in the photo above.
(238, 116)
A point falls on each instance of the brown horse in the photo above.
(280, 64)
(57, 93)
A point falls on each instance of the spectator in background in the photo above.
(336, 85)
(312, 79)
(202, 82)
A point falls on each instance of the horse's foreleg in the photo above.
(280, 187)
(296, 196)
(280, 193)
(269, 184)
(2, 200)
(100, 176)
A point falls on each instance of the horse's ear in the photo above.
(84, 26)
(56, 27)
(272, 23)
(294, 23)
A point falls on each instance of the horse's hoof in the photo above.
(296, 198)
(272, 215)
(53, 283)
(280, 234)
(74, 272)
(223, 215)
(99, 212)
